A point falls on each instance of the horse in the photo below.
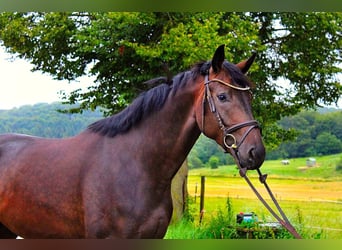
(113, 179)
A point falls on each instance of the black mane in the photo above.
(154, 99)
(145, 104)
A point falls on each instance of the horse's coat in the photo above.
(113, 179)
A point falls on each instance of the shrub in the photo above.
(339, 165)
(214, 162)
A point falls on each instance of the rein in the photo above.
(262, 178)
(231, 144)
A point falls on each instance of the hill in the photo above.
(44, 120)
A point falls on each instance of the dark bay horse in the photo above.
(113, 180)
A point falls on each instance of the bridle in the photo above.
(231, 145)
(229, 140)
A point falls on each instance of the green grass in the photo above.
(325, 169)
(312, 219)
(310, 197)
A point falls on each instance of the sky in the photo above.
(20, 86)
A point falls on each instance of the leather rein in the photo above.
(231, 144)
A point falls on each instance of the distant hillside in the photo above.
(44, 120)
(319, 133)
(324, 110)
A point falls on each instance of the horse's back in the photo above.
(11, 144)
(16, 149)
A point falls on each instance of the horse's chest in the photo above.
(149, 219)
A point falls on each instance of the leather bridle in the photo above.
(229, 140)
(231, 145)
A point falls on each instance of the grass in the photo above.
(310, 197)
(324, 169)
(317, 218)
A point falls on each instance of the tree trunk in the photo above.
(179, 192)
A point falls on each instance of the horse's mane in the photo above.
(145, 104)
(154, 99)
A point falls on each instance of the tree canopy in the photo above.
(317, 134)
(123, 50)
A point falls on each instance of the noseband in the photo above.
(229, 140)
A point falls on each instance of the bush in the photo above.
(339, 165)
(214, 162)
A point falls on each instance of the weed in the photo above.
(189, 210)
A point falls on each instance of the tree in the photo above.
(123, 50)
(214, 162)
(317, 133)
(193, 159)
(326, 143)
(179, 193)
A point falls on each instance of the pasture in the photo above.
(311, 197)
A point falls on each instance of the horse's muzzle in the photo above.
(252, 158)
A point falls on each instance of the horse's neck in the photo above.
(171, 133)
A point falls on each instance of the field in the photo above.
(310, 196)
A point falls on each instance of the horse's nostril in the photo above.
(251, 157)
(251, 154)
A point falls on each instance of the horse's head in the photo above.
(224, 111)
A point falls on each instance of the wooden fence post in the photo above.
(202, 198)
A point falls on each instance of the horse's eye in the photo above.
(222, 97)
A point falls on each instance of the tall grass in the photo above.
(223, 225)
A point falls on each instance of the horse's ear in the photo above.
(218, 59)
(245, 65)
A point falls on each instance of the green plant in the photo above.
(339, 165)
(218, 227)
(214, 162)
(189, 210)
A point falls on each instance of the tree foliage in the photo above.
(123, 50)
(317, 134)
